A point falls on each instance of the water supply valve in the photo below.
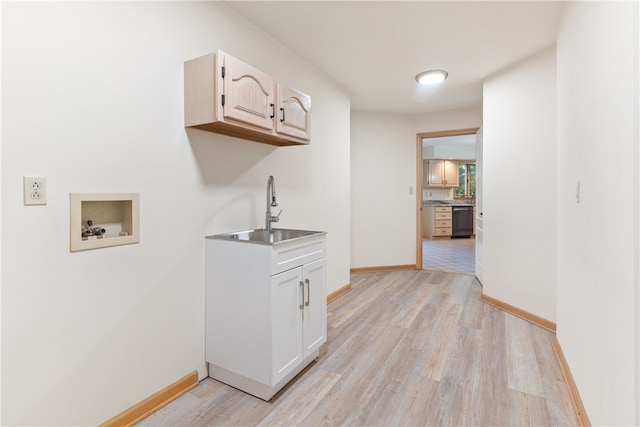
(90, 230)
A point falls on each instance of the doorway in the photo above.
(443, 254)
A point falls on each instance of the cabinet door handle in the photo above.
(302, 302)
(273, 111)
(282, 119)
(308, 292)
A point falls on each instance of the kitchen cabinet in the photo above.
(295, 113)
(227, 96)
(436, 221)
(266, 311)
(299, 309)
(440, 173)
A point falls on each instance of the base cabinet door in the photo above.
(286, 322)
(299, 313)
(314, 315)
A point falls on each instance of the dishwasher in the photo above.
(462, 221)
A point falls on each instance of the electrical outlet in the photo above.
(35, 190)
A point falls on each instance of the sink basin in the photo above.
(267, 237)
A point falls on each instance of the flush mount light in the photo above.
(431, 77)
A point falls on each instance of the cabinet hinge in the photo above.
(223, 71)
(223, 99)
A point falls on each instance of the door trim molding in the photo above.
(419, 172)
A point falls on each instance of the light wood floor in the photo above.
(405, 348)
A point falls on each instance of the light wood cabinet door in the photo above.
(440, 173)
(425, 173)
(435, 168)
(225, 95)
(248, 94)
(450, 173)
(294, 112)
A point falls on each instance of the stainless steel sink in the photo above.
(267, 237)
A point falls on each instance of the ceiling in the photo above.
(374, 49)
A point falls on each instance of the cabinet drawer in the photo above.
(443, 208)
(443, 215)
(443, 223)
(443, 232)
(294, 254)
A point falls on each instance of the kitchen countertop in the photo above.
(448, 203)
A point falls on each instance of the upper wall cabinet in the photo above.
(225, 95)
(440, 173)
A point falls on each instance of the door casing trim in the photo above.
(419, 137)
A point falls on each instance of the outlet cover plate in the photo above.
(35, 190)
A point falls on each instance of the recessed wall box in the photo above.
(113, 213)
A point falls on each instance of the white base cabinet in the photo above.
(298, 314)
(266, 311)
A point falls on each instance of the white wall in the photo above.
(437, 194)
(598, 238)
(462, 152)
(93, 100)
(444, 151)
(463, 118)
(383, 170)
(519, 180)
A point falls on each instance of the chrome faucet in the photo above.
(271, 201)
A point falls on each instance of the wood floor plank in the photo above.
(560, 408)
(473, 313)
(527, 410)
(455, 393)
(298, 405)
(440, 340)
(523, 374)
(178, 413)
(461, 370)
(458, 289)
(405, 348)
(489, 397)
(421, 296)
(417, 407)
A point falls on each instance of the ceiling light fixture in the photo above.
(431, 77)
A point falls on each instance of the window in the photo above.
(467, 182)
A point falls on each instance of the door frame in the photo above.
(419, 179)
